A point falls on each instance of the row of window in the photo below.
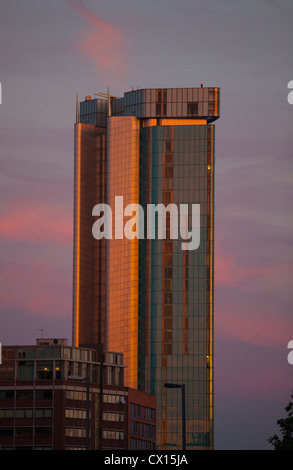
(162, 94)
(75, 414)
(47, 370)
(116, 417)
(24, 432)
(142, 412)
(142, 429)
(161, 134)
(26, 394)
(115, 435)
(75, 448)
(172, 109)
(26, 413)
(75, 432)
(26, 448)
(49, 353)
(116, 399)
(76, 395)
(139, 444)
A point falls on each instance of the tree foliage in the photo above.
(285, 441)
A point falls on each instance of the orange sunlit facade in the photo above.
(122, 254)
(89, 258)
(148, 298)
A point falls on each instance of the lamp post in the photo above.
(170, 385)
(79, 378)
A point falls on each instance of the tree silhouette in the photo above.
(286, 429)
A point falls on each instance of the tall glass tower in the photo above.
(146, 296)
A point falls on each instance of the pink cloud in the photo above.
(230, 270)
(36, 222)
(251, 300)
(101, 42)
(39, 287)
(256, 326)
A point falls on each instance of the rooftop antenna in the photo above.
(42, 330)
(77, 108)
(109, 105)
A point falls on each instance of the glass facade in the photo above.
(89, 288)
(176, 286)
(158, 308)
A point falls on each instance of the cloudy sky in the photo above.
(51, 50)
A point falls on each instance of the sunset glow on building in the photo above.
(149, 299)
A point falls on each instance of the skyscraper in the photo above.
(147, 296)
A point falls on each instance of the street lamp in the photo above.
(170, 385)
(78, 378)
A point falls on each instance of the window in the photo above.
(44, 413)
(6, 432)
(137, 428)
(43, 432)
(116, 435)
(147, 430)
(44, 394)
(24, 394)
(132, 444)
(132, 427)
(43, 353)
(168, 172)
(142, 412)
(150, 414)
(24, 432)
(168, 146)
(7, 370)
(192, 108)
(137, 411)
(8, 353)
(24, 413)
(75, 395)
(44, 370)
(19, 413)
(75, 432)
(132, 409)
(26, 353)
(6, 394)
(114, 399)
(75, 414)
(6, 413)
(43, 448)
(141, 445)
(26, 370)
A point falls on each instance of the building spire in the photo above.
(77, 109)
(109, 104)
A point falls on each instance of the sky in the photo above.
(49, 51)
